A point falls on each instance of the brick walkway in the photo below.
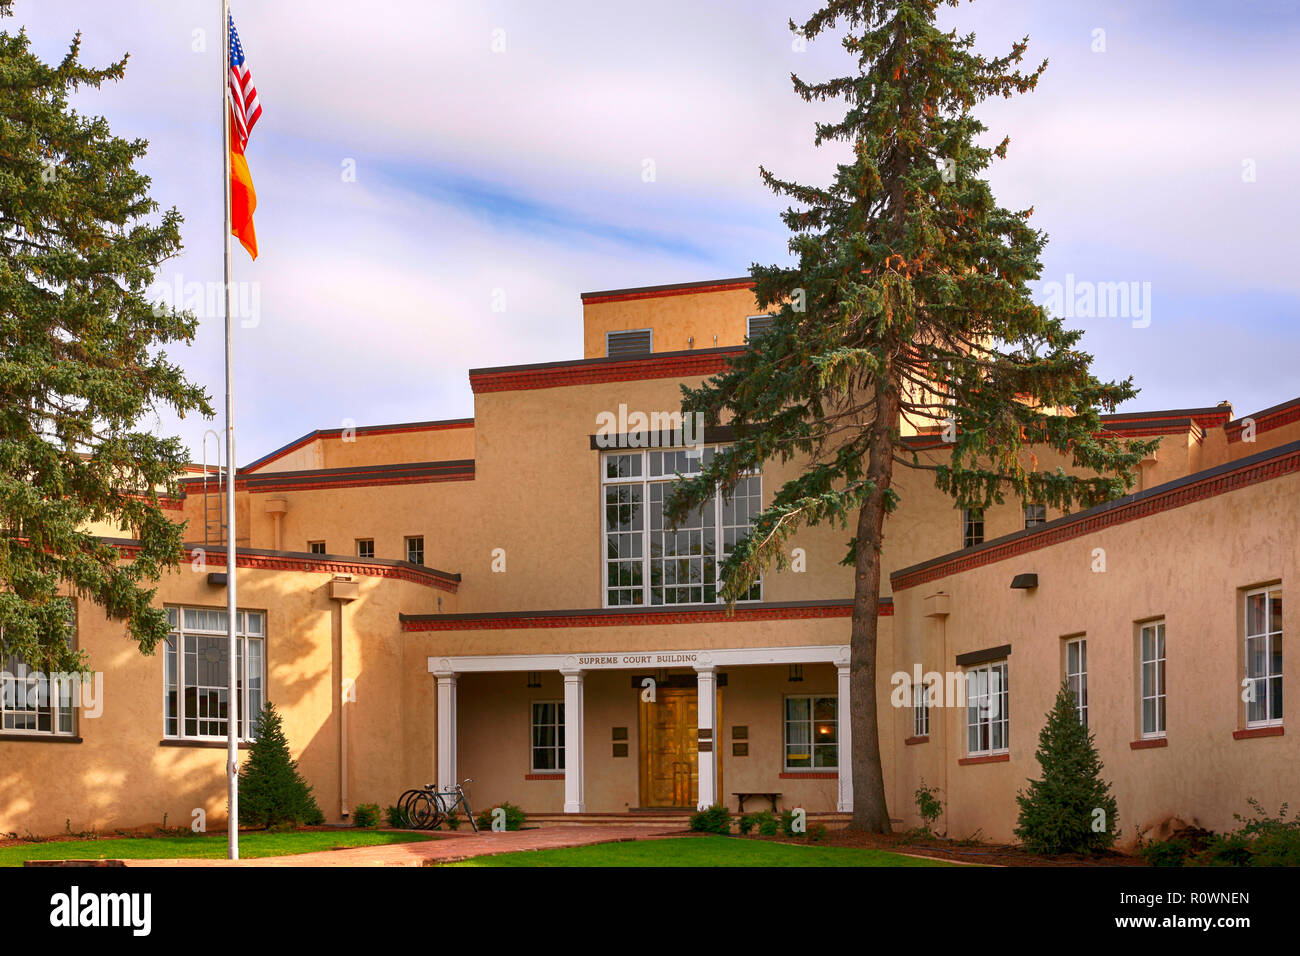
(448, 848)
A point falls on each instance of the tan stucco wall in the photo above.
(1188, 565)
(674, 318)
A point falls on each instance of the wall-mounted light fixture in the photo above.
(1024, 582)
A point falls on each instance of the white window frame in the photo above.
(407, 544)
(558, 746)
(920, 710)
(58, 696)
(988, 718)
(1158, 693)
(1078, 671)
(1269, 635)
(967, 519)
(369, 541)
(1037, 522)
(311, 547)
(645, 481)
(813, 766)
(174, 647)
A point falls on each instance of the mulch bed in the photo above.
(993, 854)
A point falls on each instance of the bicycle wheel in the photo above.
(435, 813)
(404, 806)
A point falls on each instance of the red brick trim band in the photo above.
(544, 776)
(359, 476)
(1252, 732)
(614, 618)
(991, 758)
(810, 775)
(1148, 743)
(1276, 463)
(596, 371)
(913, 741)
(215, 557)
(658, 292)
(1266, 420)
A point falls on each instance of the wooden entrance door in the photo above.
(670, 749)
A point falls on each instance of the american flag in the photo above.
(245, 106)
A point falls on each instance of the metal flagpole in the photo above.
(232, 691)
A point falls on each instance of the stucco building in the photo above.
(497, 597)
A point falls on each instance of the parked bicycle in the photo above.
(427, 807)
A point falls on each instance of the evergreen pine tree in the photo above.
(271, 790)
(80, 363)
(909, 305)
(1070, 810)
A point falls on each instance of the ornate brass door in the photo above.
(669, 749)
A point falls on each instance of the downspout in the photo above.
(343, 590)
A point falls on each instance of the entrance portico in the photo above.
(668, 704)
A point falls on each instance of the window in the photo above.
(33, 702)
(972, 527)
(647, 562)
(1076, 675)
(920, 711)
(415, 549)
(1152, 639)
(548, 735)
(988, 722)
(1264, 656)
(365, 547)
(1035, 514)
(196, 673)
(811, 733)
(316, 547)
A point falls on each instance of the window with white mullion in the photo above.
(1263, 620)
(35, 702)
(648, 563)
(196, 692)
(1076, 676)
(988, 722)
(1153, 679)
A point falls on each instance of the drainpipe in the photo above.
(343, 590)
(276, 507)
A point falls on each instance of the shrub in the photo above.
(1070, 810)
(365, 815)
(817, 832)
(716, 819)
(397, 818)
(1262, 840)
(1171, 852)
(767, 823)
(928, 806)
(514, 816)
(271, 791)
(745, 823)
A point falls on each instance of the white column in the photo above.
(446, 729)
(573, 742)
(845, 748)
(706, 708)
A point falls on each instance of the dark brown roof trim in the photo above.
(983, 657)
(398, 428)
(679, 288)
(461, 469)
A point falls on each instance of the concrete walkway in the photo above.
(449, 847)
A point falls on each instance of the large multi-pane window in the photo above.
(548, 735)
(196, 695)
(648, 562)
(34, 702)
(1152, 641)
(811, 733)
(1264, 656)
(1076, 675)
(988, 719)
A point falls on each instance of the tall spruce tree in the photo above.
(1071, 809)
(908, 306)
(271, 790)
(80, 362)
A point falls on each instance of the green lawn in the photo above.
(701, 851)
(207, 847)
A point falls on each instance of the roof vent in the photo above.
(629, 344)
(758, 324)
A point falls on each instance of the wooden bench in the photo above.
(772, 797)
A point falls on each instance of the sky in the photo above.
(420, 163)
